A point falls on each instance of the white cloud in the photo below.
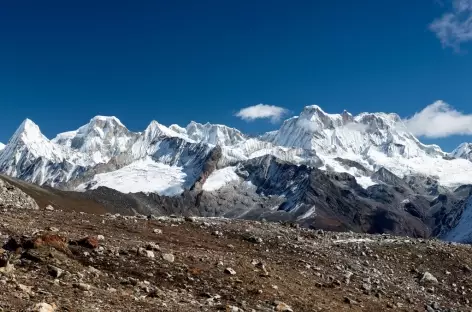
(440, 120)
(455, 26)
(260, 111)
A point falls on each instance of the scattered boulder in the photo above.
(87, 242)
(83, 286)
(49, 208)
(253, 239)
(168, 257)
(25, 289)
(349, 300)
(146, 253)
(8, 268)
(13, 244)
(55, 271)
(43, 307)
(153, 246)
(47, 240)
(428, 278)
(230, 271)
(282, 307)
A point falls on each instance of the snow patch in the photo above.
(307, 214)
(220, 178)
(144, 176)
(353, 240)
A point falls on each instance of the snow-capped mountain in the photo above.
(101, 139)
(370, 160)
(2, 146)
(29, 155)
(463, 151)
(374, 140)
(314, 138)
(213, 134)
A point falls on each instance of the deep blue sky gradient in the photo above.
(63, 62)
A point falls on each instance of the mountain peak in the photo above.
(314, 108)
(30, 143)
(28, 124)
(463, 151)
(28, 131)
(107, 120)
(2, 146)
(214, 134)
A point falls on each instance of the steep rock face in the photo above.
(385, 176)
(458, 221)
(463, 151)
(12, 197)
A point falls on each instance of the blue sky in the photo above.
(63, 62)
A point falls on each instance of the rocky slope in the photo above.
(13, 197)
(69, 261)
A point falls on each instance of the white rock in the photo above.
(83, 286)
(43, 307)
(429, 278)
(283, 307)
(157, 231)
(230, 271)
(8, 268)
(50, 208)
(149, 253)
(168, 257)
(24, 288)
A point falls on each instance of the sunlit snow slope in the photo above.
(141, 176)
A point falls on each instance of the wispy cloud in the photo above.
(455, 26)
(440, 120)
(261, 111)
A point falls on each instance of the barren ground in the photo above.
(276, 267)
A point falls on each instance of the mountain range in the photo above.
(364, 173)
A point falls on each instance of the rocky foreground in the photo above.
(69, 261)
